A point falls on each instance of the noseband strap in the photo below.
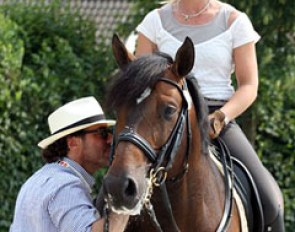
(140, 142)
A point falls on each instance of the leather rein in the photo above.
(162, 162)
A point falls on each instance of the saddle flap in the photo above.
(247, 190)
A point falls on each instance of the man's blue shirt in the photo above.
(56, 198)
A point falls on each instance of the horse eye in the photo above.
(169, 111)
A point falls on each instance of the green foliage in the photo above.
(275, 138)
(11, 52)
(48, 56)
(139, 10)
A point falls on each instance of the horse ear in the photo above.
(184, 59)
(121, 54)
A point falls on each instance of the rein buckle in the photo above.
(158, 177)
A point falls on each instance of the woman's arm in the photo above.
(144, 46)
(247, 80)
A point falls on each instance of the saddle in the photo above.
(247, 190)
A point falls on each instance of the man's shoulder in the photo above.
(59, 174)
(51, 177)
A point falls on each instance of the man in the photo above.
(58, 196)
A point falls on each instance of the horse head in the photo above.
(151, 104)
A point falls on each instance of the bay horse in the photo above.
(161, 170)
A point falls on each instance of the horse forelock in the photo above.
(139, 75)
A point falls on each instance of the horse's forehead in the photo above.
(166, 90)
(148, 101)
(159, 88)
(160, 85)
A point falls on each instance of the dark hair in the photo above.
(58, 149)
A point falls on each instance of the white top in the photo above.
(214, 63)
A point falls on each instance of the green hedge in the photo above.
(47, 57)
(275, 140)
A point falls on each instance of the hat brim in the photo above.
(51, 139)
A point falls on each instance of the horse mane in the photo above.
(201, 111)
(136, 77)
(144, 73)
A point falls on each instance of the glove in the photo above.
(217, 123)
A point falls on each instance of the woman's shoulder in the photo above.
(155, 13)
(151, 21)
(240, 26)
(231, 13)
(229, 8)
(152, 16)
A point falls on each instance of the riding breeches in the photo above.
(270, 194)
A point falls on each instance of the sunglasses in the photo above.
(102, 131)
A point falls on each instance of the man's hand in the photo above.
(117, 222)
(217, 123)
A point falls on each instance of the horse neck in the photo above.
(201, 167)
(201, 189)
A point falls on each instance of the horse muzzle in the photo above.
(123, 194)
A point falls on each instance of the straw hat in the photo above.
(72, 117)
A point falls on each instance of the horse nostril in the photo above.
(121, 192)
(130, 190)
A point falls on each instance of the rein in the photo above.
(229, 184)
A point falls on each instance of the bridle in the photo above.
(168, 151)
(162, 161)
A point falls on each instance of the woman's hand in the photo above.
(217, 123)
